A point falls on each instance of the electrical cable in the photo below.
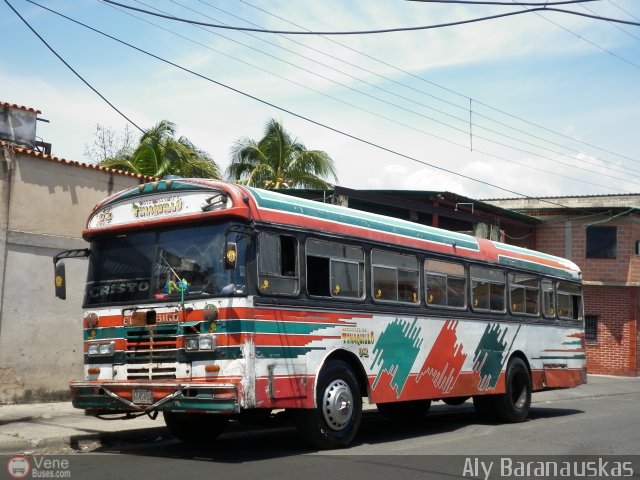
(487, 2)
(393, 120)
(71, 68)
(580, 37)
(449, 90)
(367, 32)
(292, 113)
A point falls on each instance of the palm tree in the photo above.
(278, 161)
(159, 153)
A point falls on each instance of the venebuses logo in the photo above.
(18, 467)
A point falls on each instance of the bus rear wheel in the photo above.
(195, 427)
(336, 419)
(513, 405)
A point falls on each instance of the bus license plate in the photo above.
(144, 397)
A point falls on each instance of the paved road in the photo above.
(586, 426)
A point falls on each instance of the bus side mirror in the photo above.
(230, 256)
(60, 281)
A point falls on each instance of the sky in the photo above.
(536, 104)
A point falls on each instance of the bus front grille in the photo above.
(147, 347)
(151, 372)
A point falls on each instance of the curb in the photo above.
(77, 442)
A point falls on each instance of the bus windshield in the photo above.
(166, 265)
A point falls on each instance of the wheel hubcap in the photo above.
(337, 404)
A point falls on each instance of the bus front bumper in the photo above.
(142, 397)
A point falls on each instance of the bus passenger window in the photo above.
(395, 277)
(548, 299)
(569, 301)
(446, 284)
(278, 265)
(487, 289)
(524, 292)
(334, 270)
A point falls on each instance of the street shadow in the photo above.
(17, 420)
(279, 438)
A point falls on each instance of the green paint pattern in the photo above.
(396, 351)
(488, 357)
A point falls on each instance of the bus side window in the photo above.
(524, 293)
(278, 272)
(334, 270)
(395, 277)
(487, 289)
(548, 299)
(446, 284)
(569, 301)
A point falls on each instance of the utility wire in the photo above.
(367, 32)
(292, 113)
(449, 90)
(626, 170)
(352, 105)
(524, 4)
(580, 37)
(71, 68)
(618, 27)
(623, 10)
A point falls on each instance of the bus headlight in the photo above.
(191, 343)
(200, 342)
(207, 342)
(101, 349)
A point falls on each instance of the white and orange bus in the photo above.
(208, 301)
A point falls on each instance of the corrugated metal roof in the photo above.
(33, 153)
(19, 107)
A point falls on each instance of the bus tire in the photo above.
(513, 405)
(195, 427)
(335, 421)
(405, 412)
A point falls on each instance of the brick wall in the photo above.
(618, 346)
(611, 354)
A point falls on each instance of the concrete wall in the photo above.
(46, 204)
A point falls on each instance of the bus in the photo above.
(210, 301)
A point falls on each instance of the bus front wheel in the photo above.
(195, 427)
(336, 419)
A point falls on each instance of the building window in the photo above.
(591, 328)
(601, 242)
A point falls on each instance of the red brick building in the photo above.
(602, 235)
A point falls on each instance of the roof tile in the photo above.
(73, 163)
(19, 107)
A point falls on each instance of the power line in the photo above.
(523, 4)
(366, 32)
(446, 89)
(623, 10)
(292, 113)
(384, 117)
(580, 37)
(71, 68)
(618, 27)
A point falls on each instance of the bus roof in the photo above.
(170, 201)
